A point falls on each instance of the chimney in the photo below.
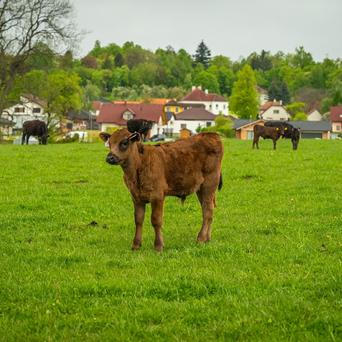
(281, 102)
(200, 87)
(274, 100)
(206, 91)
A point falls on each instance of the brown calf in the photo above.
(172, 169)
(273, 133)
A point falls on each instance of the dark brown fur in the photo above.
(35, 128)
(273, 133)
(172, 169)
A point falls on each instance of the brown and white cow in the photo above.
(177, 168)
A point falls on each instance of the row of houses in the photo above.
(197, 109)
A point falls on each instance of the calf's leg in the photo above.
(139, 215)
(207, 199)
(157, 222)
(256, 142)
(27, 138)
(23, 139)
(274, 143)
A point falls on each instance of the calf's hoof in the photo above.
(201, 239)
(136, 246)
(158, 248)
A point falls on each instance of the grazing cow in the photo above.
(290, 132)
(273, 133)
(177, 168)
(35, 128)
(141, 126)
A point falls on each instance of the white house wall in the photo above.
(270, 115)
(215, 107)
(315, 116)
(192, 125)
(20, 117)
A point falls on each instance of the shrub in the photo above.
(111, 130)
(222, 125)
(300, 116)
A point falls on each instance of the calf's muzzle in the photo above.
(112, 159)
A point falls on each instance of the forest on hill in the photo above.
(131, 72)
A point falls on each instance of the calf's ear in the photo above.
(134, 137)
(104, 136)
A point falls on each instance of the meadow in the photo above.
(273, 270)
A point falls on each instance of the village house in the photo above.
(244, 128)
(191, 119)
(274, 110)
(214, 103)
(314, 115)
(80, 121)
(28, 108)
(116, 115)
(336, 121)
(313, 129)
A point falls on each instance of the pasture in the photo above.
(273, 270)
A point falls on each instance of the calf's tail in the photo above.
(221, 182)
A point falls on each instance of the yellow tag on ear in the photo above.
(285, 128)
(277, 129)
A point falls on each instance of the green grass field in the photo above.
(273, 270)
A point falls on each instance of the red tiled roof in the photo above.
(112, 113)
(268, 105)
(96, 105)
(195, 114)
(336, 114)
(199, 95)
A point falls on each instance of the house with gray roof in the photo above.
(191, 119)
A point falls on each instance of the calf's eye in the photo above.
(123, 145)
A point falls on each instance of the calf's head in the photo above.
(120, 143)
(45, 138)
(280, 130)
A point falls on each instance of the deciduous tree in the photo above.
(244, 101)
(24, 24)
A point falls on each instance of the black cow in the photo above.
(35, 128)
(141, 126)
(273, 133)
(290, 132)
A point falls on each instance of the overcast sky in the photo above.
(231, 28)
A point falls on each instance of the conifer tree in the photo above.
(202, 55)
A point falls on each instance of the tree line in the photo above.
(131, 72)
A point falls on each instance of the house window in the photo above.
(276, 111)
(167, 109)
(36, 110)
(19, 110)
(338, 127)
(224, 106)
(183, 126)
(216, 106)
(208, 123)
(176, 109)
(210, 106)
